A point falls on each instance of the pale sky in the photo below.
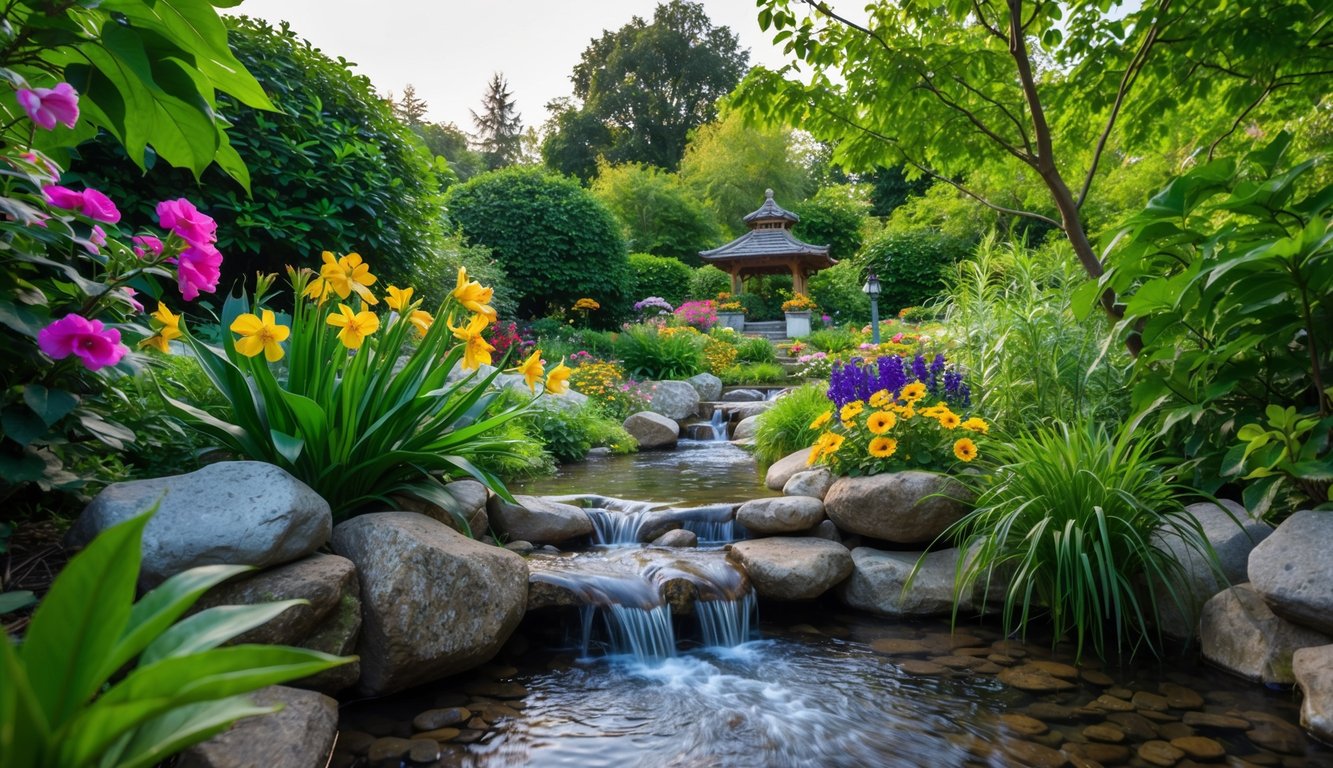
(448, 49)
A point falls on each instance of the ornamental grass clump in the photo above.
(358, 403)
(1068, 514)
(661, 353)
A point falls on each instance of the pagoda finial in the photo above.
(768, 194)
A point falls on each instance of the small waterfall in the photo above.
(615, 528)
(727, 623)
(619, 522)
(714, 533)
(644, 634)
(719, 424)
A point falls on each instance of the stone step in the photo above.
(766, 325)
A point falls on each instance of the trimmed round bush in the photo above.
(556, 242)
(707, 282)
(659, 276)
(910, 266)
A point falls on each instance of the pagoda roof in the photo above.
(770, 211)
(759, 243)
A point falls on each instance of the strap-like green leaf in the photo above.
(212, 627)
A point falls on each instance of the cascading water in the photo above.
(726, 623)
(620, 522)
(719, 425)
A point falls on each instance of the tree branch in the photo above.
(1131, 75)
(981, 19)
(1018, 124)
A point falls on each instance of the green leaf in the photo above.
(76, 627)
(22, 425)
(212, 627)
(169, 733)
(51, 405)
(287, 446)
(13, 601)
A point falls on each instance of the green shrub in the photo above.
(785, 428)
(555, 240)
(754, 373)
(331, 169)
(755, 349)
(1068, 516)
(834, 217)
(707, 282)
(833, 339)
(837, 290)
(910, 265)
(523, 456)
(646, 351)
(435, 276)
(100, 680)
(568, 434)
(659, 276)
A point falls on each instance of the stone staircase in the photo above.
(773, 330)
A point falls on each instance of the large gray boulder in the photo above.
(782, 514)
(1240, 634)
(746, 428)
(677, 400)
(652, 430)
(1293, 571)
(232, 512)
(469, 502)
(812, 482)
(1313, 668)
(876, 583)
(300, 735)
(538, 520)
(902, 507)
(743, 396)
(782, 469)
(792, 568)
(707, 385)
(434, 601)
(329, 623)
(1232, 534)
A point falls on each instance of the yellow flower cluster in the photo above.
(586, 305)
(672, 330)
(858, 437)
(719, 355)
(799, 303)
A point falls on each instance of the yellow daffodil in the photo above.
(965, 449)
(398, 298)
(880, 422)
(880, 399)
(168, 328)
(975, 424)
(557, 381)
(883, 447)
(357, 277)
(329, 272)
(913, 392)
(532, 370)
(473, 297)
(260, 335)
(168, 320)
(476, 324)
(477, 352)
(851, 410)
(948, 419)
(356, 326)
(421, 320)
(821, 420)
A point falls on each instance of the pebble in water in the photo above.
(1158, 752)
(1216, 721)
(432, 719)
(1199, 747)
(1023, 724)
(1029, 677)
(1104, 733)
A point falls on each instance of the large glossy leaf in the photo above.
(24, 728)
(212, 627)
(169, 733)
(77, 625)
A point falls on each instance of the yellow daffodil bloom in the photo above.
(975, 424)
(159, 341)
(329, 273)
(821, 420)
(557, 381)
(168, 329)
(880, 422)
(421, 320)
(476, 352)
(357, 278)
(260, 335)
(473, 297)
(398, 298)
(532, 370)
(356, 326)
(883, 447)
(476, 324)
(965, 449)
(168, 320)
(880, 399)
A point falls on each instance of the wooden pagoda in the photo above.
(769, 249)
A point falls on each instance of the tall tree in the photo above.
(649, 84)
(499, 126)
(658, 213)
(943, 85)
(409, 107)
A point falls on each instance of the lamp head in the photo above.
(871, 288)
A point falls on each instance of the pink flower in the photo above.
(180, 216)
(96, 240)
(145, 244)
(198, 269)
(897, 338)
(48, 106)
(97, 346)
(89, 202)
(130, 293)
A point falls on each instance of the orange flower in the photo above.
(965, 449)
(880, 422)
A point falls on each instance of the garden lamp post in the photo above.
(871, 289)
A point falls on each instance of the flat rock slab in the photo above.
(300, 735)
(653, 431)
(1294, 573)
(781, 470)
(434, 601)
(793, 568)
(901, 507)
(537, 520)
(232, 512)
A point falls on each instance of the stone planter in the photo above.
(798, 325)
(733, 320)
